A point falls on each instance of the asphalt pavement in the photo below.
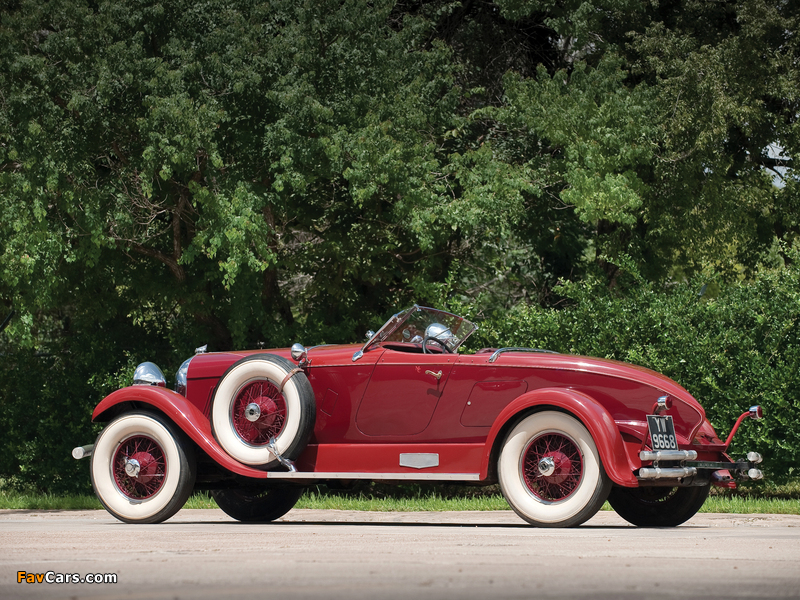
(335, 555)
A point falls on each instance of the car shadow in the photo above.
(520, 526)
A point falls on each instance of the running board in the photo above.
(375, 476)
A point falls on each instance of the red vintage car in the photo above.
(561, 434)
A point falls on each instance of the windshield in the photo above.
(412, 324)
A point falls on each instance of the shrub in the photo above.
(732, 351)
(739, 348)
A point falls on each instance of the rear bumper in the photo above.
(697, 472)
(681, 467)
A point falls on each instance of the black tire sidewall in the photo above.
(632, 505)
(257, 506)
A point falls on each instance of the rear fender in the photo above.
(593, 415)
(181, 412)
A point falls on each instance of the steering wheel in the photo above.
(440, 343)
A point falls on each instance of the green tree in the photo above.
(179, 173)
(201, 157)
(671, 156)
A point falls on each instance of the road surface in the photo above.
(332, 555)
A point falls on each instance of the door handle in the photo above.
(437, 375)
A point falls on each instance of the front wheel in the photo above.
(254, 505)
(143, 468)
(550, 471)
(657, 506)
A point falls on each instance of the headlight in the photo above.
(148, 373)
(180, 377)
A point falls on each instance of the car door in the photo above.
(403, 393)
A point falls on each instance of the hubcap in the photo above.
(139, 467)
(258, 413)
(547, 466)
(132, 467)
(252, 412)
(552, 466)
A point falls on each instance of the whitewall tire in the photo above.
(143, 468)
(550, 471)
(249, 408)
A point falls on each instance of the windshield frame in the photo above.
(396, 322)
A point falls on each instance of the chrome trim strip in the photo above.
(497, 353)
(375, 476)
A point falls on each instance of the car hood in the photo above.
(214, 364)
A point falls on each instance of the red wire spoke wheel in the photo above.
(554, 479)
(139, 467)
(261, 397)
(143, 468)
(259, 412)
(550, 470)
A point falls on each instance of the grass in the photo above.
(431, 502)
(760, 498)
(751, 505)
(714, 504)
(29, 501)
(765, 497)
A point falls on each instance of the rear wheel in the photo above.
(254, 505)
(143, 468)
(657, 506)
(550, 471)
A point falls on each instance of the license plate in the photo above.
(662, 432)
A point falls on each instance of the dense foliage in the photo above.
(731, 351)
(176, 173)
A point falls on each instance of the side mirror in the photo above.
(299, 352)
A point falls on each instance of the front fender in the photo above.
(181, 412)
(594, 417)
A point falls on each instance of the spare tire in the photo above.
(259, 398)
